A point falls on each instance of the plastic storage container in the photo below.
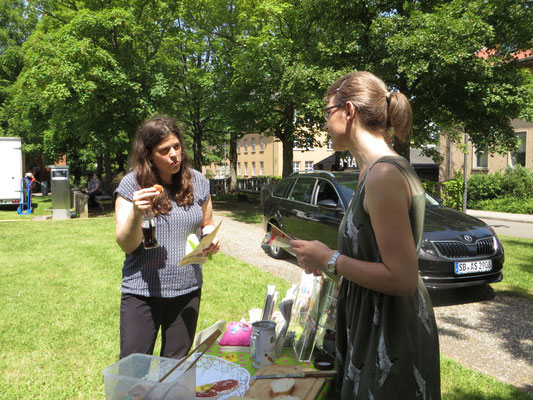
(136, 377)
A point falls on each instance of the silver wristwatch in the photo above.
(332, 264)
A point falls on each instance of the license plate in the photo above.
(471, 267)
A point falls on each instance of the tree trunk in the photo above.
(197, 147)
(108, 169)
(287, 142)
(233, 163)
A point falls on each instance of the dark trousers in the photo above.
(141, 317)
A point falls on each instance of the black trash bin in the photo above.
(44, 188)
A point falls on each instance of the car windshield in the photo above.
(430, 201)
(348, 184)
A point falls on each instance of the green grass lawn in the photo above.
(60, 311)
(42, 205)
(517, 268)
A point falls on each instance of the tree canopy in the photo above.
(79, 77)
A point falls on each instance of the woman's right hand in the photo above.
(142, 199)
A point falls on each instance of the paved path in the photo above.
(518, 225)
(479, 328)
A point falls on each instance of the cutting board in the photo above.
(305, 388)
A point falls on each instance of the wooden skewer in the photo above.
(207, 342)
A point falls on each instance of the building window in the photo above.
(261, 143)
(518, 157)
(481, 159)
(309, 166)
(245, 169)
(253, 145)
(296, 166)
(303, 144)
(239, 169)
(261, 168)
(238, 146)
(245, 146)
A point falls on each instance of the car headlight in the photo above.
(495, 240)
(427, 247)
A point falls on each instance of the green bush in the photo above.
(484, 187)
(451, 191)
(509, 204)
(516, 182)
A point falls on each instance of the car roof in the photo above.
(339, 175)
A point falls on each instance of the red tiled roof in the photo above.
(519, 55)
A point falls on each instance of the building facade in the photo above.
(260, 155)
(478, 161)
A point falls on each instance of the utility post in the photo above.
(465, 188)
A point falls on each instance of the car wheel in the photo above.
(276, 252)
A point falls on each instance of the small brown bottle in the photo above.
(148, 229)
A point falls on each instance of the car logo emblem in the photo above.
(468, 238)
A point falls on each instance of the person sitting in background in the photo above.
(94, 188)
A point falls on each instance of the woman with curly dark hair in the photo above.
(156, 292)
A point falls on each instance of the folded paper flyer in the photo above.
(276, 237)
(199, 255)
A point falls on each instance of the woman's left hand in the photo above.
(313, 256)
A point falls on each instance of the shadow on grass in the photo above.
(463, 394)
(244, 211)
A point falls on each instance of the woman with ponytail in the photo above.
(386, 336)
(156, 293)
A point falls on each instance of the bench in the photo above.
(104, 201)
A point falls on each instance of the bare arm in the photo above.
(128, 217)
(387, 201)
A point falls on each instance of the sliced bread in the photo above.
(283, 386)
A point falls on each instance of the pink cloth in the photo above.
(237, 334)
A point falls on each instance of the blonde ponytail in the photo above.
(379, 110)
(400, 116)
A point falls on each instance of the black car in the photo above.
(456, 250)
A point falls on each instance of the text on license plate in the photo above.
(472, 267)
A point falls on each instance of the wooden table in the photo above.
(241, 357)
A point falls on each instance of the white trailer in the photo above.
(10, 169)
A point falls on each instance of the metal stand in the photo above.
(25, 206)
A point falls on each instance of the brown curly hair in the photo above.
(150, 134)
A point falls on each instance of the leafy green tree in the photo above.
(92, 74)
(276, 91)
(431, 51)
(16, 23)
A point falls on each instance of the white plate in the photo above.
(471, 267)
(210, 369)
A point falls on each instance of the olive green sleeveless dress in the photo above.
(387, 346)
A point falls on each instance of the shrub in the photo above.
(484, 187)
(516, 181)
(451, 191)
(506, 204)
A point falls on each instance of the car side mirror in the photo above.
(328, 203)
